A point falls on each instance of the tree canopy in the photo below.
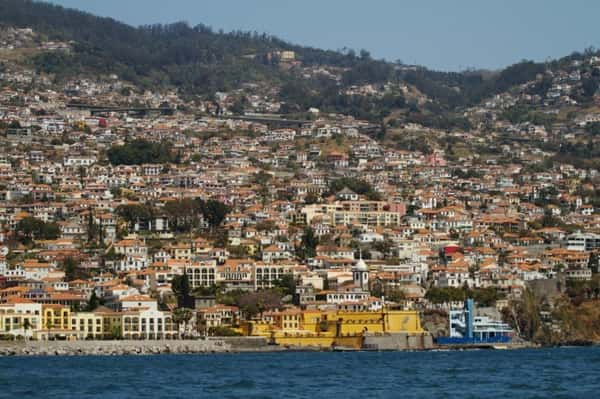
(482, 296)
(135, 213)
(308, 244)
(30, 228)
(140, 151)
(186, 214)
(358, 186)
(180, 285)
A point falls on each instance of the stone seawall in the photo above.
(130, 347)
(399, 342)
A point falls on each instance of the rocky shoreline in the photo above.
(205, 346)
(125, 347)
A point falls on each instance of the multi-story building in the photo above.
(202, 274)
(20, 317)
(365, 213)
(583, 242)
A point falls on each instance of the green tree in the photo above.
(308, 244)
(358, 186)
(26, 326)
(184, 214)
(238, 106)
(485, 296)
(180, 285)
(311, 198)
(93, 229)
(70, 268)
(445, 294)
(524, 315)
(221, 331)
(590, 87)
(30, 228)
(116, 332)
(593, 128)
(286, 284)
(215, 212)
(140, 151)
(15, 124)
(136, 213)
(254, 303)
(396, 295)
(93, 302)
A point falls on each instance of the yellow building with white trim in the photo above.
(87, 325)
(56, 322)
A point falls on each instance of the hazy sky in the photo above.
(441, 34)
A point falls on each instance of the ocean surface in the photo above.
(543, 373)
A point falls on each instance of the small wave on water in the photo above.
(240, 384)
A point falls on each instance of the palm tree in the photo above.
(26, 326)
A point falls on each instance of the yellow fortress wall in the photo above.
(333, 328)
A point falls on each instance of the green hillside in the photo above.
(200, 61)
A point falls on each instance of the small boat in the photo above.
(337, 348)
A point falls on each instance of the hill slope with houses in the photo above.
(198, 61)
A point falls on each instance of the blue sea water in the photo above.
(543, 373)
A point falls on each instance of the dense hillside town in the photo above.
(149, 213)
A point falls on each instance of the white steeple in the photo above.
(360, 273)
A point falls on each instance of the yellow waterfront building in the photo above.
(87, 325)
(295, 327)
(56, 322)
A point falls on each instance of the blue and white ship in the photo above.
(468, 329)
